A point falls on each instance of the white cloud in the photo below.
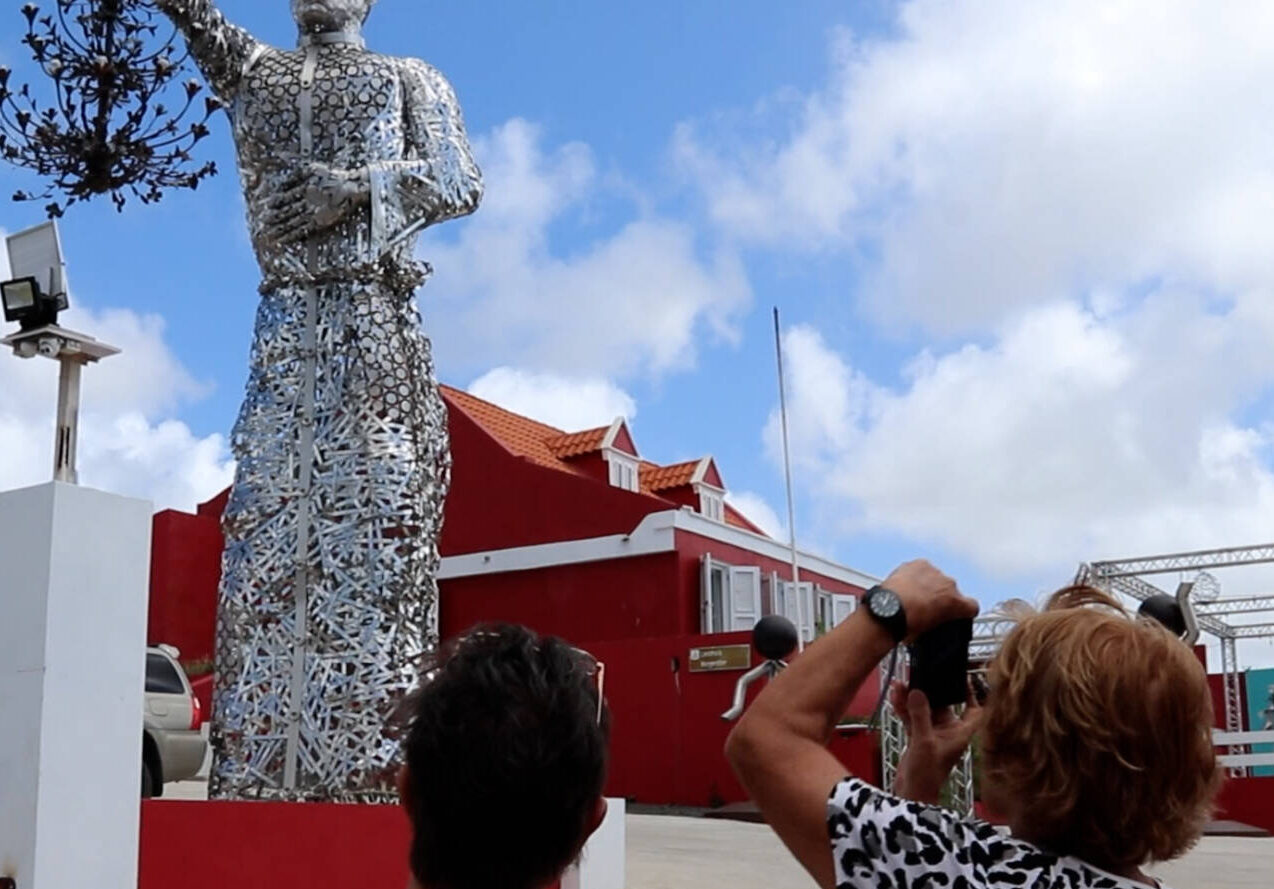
(569, 403)
(127, 443)
(758, 511)
(639, 300)
(990, 154)
(1069, 437)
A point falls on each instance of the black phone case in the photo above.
(940, 663)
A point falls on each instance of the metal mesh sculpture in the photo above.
(328, 595)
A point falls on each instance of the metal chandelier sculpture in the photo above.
(101, 126)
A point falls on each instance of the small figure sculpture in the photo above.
(328, 594)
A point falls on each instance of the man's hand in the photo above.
(935, 743)
(929, 597)
(315, 198)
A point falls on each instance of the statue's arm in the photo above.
(437, 179)
(221, 49)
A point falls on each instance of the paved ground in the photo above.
(674, 853)
(671, 852)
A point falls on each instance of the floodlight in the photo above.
(33, 298)
(26, 304)
(19, 297)
(37, 291)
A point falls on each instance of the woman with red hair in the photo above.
(1096, 747)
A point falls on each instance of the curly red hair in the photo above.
(1103, 726)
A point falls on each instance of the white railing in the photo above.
(1242, 741)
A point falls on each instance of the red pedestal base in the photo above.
(214, 845)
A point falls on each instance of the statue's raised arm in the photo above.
(221, 49)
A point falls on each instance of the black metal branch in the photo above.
(107, 132)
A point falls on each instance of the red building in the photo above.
(575, 534)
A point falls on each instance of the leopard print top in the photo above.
(882, 842)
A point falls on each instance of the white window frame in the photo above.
(824, 617)
(735, 604)
(624, 471)
(843, 607)
(832, 609)
(799, 607)
(712, 504)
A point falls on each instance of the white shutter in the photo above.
(791, 603)
(805, 597)
(705, 593)
(776, 593)
(842, 608)
(745, 598)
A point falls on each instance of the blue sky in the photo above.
(1021, 254)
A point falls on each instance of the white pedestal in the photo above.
(74, 573)
(602, 864)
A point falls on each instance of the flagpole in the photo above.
(787, 471)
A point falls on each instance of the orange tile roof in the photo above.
(521, 435)
(573, 444)
(661, 478)
(549, 446)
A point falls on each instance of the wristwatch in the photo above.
(886, 608)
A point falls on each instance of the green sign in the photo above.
(720, 658)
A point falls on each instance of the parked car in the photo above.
(173, 747)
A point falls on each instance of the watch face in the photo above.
(885, 603)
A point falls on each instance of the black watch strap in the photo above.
(885, 607)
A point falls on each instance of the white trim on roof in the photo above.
(657, 533)
(701, 473)
(608, 442)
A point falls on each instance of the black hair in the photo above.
(506, 760)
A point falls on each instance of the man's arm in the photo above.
(437, 179)
(220, 49)
(779, 747)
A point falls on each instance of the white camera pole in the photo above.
(39, 273)
(72, 351)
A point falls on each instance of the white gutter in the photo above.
(655, 534)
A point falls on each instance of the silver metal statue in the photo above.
(328, 593)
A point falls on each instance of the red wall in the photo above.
(617, 599)
(1216, 685)
(1248, 801)
(185, 570)
(498, 500)
(668, 734)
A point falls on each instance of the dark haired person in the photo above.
(506, 756)
(1097, 749)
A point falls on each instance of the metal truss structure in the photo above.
(959, 792)
(1126, 577)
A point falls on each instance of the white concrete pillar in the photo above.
(601, 866)
(74, 573)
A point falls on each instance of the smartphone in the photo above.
(940, 663)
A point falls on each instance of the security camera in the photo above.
(50, 346)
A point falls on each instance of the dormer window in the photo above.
(623, 471)
(711, 504)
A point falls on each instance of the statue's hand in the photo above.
(314, 199)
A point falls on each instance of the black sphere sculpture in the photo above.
(1164, 609)
(774, 637)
